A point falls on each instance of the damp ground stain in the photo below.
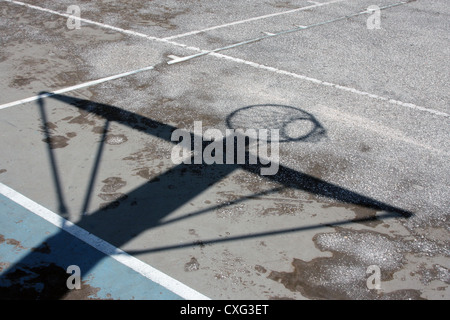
(343, 275)
(314, 280)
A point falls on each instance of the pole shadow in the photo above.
(149, 205)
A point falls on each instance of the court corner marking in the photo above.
(101, 245)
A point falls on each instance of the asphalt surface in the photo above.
(363, 114)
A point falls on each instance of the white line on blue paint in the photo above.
(117, 254)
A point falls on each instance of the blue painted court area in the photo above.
(35, 256)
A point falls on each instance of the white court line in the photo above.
(271, 35)
(72, 88)
(315, 5)
(102, 25)
(242, 61)
(329, 84)
(117, 254)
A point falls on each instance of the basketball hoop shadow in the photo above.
(294, 124)
(174, 188)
